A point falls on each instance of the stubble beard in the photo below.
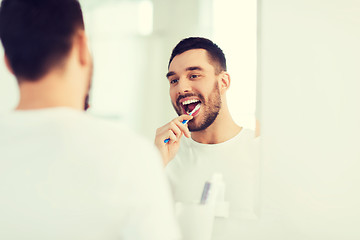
(90, 77)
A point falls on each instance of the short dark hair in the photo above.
(37, 34)
(214, 52)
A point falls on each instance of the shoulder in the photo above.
(112, 137)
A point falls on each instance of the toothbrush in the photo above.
(185, 121)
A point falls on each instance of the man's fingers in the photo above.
(172, 136)
(184, 117)
(184, 127)
(175, 128)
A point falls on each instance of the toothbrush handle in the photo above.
(168, 139)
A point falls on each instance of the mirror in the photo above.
(131, 42)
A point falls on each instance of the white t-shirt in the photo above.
(67, 175)
(237, 160)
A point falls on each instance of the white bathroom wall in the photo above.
(308, 105)
(235, 31)
(118, 46)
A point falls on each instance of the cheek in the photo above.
(172, 95)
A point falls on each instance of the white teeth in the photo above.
(190, 101)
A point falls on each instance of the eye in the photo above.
(174, 81)
(193, 76)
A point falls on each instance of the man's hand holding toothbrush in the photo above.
(168, 137)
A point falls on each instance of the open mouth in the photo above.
(188, 106)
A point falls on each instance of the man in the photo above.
(198, 84)
(64, 174)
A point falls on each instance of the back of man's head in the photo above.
(37, 34)
(216, 55)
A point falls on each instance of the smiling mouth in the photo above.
(189, 105)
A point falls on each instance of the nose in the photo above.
(183, 86)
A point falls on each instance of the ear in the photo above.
(83, 49)
(257, 128)
(7, 63)
(224, 81)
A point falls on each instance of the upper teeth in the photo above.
(190, 101)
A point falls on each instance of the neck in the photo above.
(48, 92)
(221, 130)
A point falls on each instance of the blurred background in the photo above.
(131, 42)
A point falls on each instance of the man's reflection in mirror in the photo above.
(213, 142)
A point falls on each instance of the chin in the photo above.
(194, 127)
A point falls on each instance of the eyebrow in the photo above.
(194, 68)
(169, 74)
